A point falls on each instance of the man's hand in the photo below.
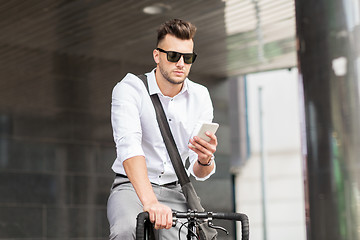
(136, 171)
(160, 215)
(204, 149)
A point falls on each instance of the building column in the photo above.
(328, 38)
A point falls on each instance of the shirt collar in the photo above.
(154, 88)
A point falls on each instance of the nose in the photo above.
(181, 62)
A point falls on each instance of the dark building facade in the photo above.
(57, 72)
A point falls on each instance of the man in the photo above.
(145, 178)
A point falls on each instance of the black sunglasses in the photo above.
(172, 56)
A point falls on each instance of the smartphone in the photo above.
(207, 127)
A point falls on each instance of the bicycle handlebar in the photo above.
(144, 216)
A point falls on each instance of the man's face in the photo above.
(173, 72)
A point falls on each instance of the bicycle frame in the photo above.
(144, 228)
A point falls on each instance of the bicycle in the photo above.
(144, 226)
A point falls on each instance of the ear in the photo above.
(156, 56)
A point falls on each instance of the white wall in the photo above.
(284, 180)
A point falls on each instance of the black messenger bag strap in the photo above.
(167, 136)
(193, 201)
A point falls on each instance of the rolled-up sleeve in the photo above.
(125, 119)
(191, 170)
(206, 116)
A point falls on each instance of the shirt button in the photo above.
(159, 176)
(162, 172)
(169, 120)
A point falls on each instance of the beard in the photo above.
(166, 75)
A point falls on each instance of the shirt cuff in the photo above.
(128, 147)
(191, 170)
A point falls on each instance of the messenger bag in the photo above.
(193, 201)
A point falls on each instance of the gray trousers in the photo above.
(124, 205)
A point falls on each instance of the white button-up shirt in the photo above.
(136, 131)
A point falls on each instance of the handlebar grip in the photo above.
(237, 217)
(140, 225)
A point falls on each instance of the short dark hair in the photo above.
(178, 28)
